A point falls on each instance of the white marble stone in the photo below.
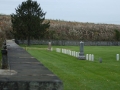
(87, 58)
(92, 57)
(117, 57)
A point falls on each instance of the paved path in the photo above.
(26, 68)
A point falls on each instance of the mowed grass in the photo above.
(82, 74)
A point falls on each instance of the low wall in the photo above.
(26, 72)
(73, 43)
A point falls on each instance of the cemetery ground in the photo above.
(82, 74)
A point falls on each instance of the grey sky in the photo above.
(96, 11)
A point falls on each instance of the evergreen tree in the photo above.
(117, 35)
(28, 22)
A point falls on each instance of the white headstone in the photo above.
(65, 51)
(76, 54)
(51, 49)
(117, 57)
(49, 46)
(70, 52)
(87, 57)
(92, 57)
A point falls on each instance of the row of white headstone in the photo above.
(89, 57)
(68, 52)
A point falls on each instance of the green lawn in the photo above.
(81, 74)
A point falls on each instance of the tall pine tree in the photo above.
(28, 21)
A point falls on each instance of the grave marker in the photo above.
(49, 46)
(100, 60)
(92, 57)
(70, 53)
(87, 57)
(117, 57)
(76, 54)
(81, 54)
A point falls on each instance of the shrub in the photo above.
(117, 35)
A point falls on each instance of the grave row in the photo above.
(68, 52)
(89, 57)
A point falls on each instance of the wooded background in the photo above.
(67, 30)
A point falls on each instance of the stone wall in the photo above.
(73, 43)
(25, 72)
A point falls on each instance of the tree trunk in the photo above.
(28, 41)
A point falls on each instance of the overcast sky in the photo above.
(96, 11)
